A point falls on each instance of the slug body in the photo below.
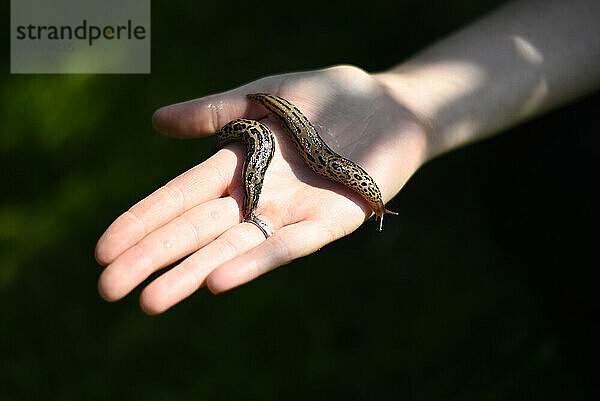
(318, 156)
(260, 147)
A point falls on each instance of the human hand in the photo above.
(199, 213)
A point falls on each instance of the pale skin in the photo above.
(515, 63)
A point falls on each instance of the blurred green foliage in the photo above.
(479, 290)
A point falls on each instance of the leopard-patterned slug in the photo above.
(319, 157)
(260, 147)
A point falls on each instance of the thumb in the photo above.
(206, 115)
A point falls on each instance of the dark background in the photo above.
(483, 289)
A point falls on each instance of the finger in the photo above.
(187, 277)
(179, 238)
(202, 183)
(207, 115)
(287, 244)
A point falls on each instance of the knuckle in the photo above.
(191, 228)
(228, 247)
(191, 272)
(176, 194)
(331, 232)
(143, 250)
(222, 179)
(279, 250)
(218, 116)
(134, 215)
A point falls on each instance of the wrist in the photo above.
(435, 93)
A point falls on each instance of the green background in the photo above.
(484, 288)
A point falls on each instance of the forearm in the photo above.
(519, 61)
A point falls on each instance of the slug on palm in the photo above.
(260, 147)
(319, 157)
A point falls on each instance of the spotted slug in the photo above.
(318, 156)
(260, 147)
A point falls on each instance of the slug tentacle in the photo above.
(318, 156)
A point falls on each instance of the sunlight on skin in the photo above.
(527, 50)
(538, 95)
(489, 76)
(431, 88)
(539, 92)
(305, 211)
(462, 79)
(524, 58)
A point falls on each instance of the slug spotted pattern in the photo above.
(315, 152)
(319, 157)
(260, 147)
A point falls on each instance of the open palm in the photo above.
(199, 213)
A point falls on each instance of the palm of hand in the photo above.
(198, 213)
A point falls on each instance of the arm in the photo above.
(524, 58)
